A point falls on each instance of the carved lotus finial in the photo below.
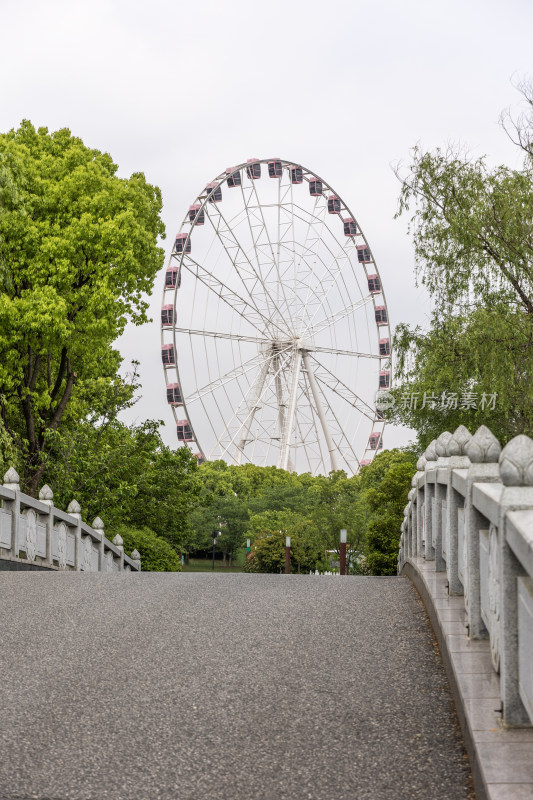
(483, 447)
(421, 463)
(46, 493)
(74, 507)
(412, 493)
(118, 540)
(458, 442)
(135, 555)
(431, 452)
(406, 510)
(442, 444)
(11, 476)
(414, 481)
(98, 525)
(516, 462)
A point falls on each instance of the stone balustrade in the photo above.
(34, 534)
(470, 513)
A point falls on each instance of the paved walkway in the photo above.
(230, 687)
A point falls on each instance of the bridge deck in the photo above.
(239, 687)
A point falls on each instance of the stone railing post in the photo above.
(429, 494)
(136, 556)
(74, 510)
(119, 543)
(516, 473)
(483, 450)
(411, 523)
(46, 496)
(458, 460)
(421, 468)
(98, 526)
(440, 494)
(12, 481)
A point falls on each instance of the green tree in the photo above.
(472, 228)
(156, 554)
(268, 531)
(78, 255)
(385, 484)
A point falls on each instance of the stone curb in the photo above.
(501, 758)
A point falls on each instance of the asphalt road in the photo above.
(222, 687)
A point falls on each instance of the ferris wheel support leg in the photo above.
(289, 419)
(281, 406)
(245, 430)
(320, 411)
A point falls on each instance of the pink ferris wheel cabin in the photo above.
(234, 177)
(334, 204)
(275, 169)
(350, 228)
(172, 278)
(182, 245)
(196, 214)
(374, 284)
(365, 462)
(183, 429)
(381, 315)
(363, 254)
(168, 315)
(214, 192)
(375, 441)
(168, 356)
(384, 379)
(296, 173)
(315, 187)
(384, 347)
(174, 394)
(253, 169)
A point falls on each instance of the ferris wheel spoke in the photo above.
(236, 337)
(340, 428)
(228, 377)
(340, 315)
(240, 259)
(334, 351)
(237, 303)
(332, 382)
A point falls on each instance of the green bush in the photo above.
(156, 554)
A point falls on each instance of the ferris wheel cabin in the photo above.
(375, 441)
(363, 254)
(275, 169)
(381, 315)
(296, 174)
(334, 204)
(168, 356)
(315, 187)
(168, 315)
(234, 177)
(365, 462)
(181, 244)
(384, 379)
(384, 347)
(350, 228)
(214, 192)
(253, 169)
(374, 284)
(196, 214)
(183, 429)
(172, 278)
(174, 397)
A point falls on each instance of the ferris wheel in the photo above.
(274, 326)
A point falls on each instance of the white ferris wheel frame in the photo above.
(302, 353)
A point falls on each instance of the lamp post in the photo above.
(215, 534)
(247, 546)
(343, 552)
(287, 555)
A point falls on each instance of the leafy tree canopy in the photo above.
(78, 254)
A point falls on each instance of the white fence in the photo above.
(34, 534)
(470, 511)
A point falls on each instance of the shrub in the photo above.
(156, 554)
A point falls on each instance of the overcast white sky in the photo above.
(182, 90)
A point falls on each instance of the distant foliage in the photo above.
(156, 554)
